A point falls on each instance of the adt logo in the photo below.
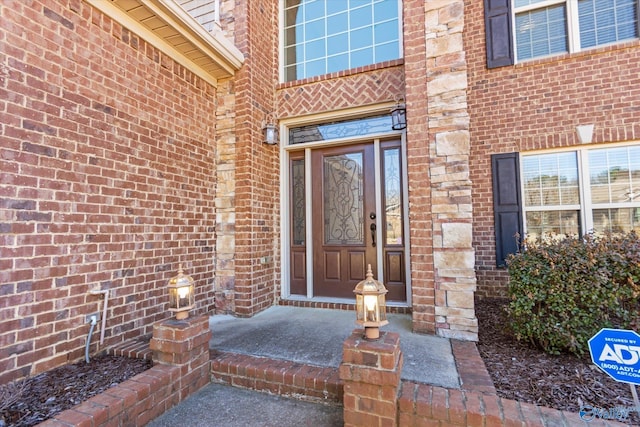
(617, 352)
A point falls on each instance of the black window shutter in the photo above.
(497, 26)
(507, 204)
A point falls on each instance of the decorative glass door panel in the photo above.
(343, 202)
(393, 221)
(298, 226)
(343, 188)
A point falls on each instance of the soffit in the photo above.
(168, 27)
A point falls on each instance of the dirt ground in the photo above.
(36, 399)
(522, 373)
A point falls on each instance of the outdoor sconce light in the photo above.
(399, 116)
(269, 131)
(181, 295)
(371, 310)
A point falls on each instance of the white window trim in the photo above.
(585, 207)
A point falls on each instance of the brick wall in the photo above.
(256, 171)
(107, 162)
(537, 105)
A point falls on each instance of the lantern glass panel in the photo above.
(359, 308)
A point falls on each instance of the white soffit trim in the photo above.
(168, 27)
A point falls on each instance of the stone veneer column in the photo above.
(225, 199)
(371, 372)
(449, 147)
(185, 344)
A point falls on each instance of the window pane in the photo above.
(316, 68)
(315, 50)
(616, 220)
(314, 29)
(325, 28)
(541, 32)
(338, 44)
(551, 179)
(337, 23)
(615, 175)
(361, 17)
(313, 9)
(387, 31)
(361, 38)
(337, 63)
(362, 57)
(557, 223)
(607, 21)
(386, 52)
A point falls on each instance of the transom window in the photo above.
(573, 192)
(546, 27)
(324, 36)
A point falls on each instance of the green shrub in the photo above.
(564, 291)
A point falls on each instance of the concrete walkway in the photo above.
(314, 336)
(218, 405)
(304, 335)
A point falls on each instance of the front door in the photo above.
(344, 218)
(346, 213)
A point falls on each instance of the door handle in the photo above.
(373, 234)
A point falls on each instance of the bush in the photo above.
(564, 291)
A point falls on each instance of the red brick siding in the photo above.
(537, 105)
(107, 166)
(257, 171)
(418, 157)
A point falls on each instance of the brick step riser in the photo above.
(280, 377)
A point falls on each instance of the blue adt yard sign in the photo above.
(617, 352)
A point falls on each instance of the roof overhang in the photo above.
(168, 27)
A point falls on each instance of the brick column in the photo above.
(371, 371)
(185, 344)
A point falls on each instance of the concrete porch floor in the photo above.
(314, 336)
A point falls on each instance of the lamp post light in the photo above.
(371, 307)
(181, 295)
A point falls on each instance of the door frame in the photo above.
(285, 232)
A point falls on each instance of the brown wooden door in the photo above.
(344, 218)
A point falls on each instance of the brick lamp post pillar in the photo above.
(371, 372)
(184, 344)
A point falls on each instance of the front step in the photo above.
(280, 377)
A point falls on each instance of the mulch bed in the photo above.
(527, 374)
(36, 399)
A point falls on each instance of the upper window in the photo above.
(324, 36)
(546, 27)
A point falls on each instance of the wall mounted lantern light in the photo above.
(399, 116)
(371, 310)
(181, 295)
(269, 130)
